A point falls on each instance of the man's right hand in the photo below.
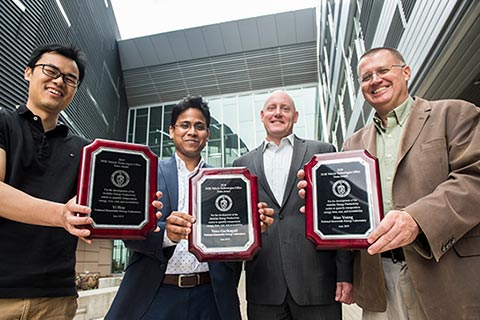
(179, 225)
(73, 217)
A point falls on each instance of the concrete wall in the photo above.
(95, 257)
(94, 304)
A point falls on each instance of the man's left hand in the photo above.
(344, 292)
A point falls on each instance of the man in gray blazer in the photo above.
(289, 278)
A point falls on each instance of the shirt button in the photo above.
(389, 135)
(389, 155)
(389, 178)
(35, 118)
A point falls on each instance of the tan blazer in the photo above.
(437, 181)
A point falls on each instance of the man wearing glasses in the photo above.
(39, 161)
(163, 279)
(424, 257)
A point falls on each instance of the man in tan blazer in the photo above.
(429, 155)
(424, 258)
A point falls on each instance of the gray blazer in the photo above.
(287, 258)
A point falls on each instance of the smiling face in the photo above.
(48, 96)
(387, 91)
(190, 142)
(278, 116)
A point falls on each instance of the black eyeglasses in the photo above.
(367, 77)
(187, 125)
(53, 72)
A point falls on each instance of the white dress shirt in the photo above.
(182, 261)
(276, 162)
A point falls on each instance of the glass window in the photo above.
(247, 134)
(215, 106)
(231, 149)
(141, 126)
(246, 115)
(168, 148)
(235, 126)
(245, 108)
(131, 126)
(155, 118)
(230, 113)
(167, 117)
(214, 152)
(119, 256)
(310, 112)
(259, 101)
(155, 134)
(215, 130)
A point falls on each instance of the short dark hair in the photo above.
(196, 102)
(393, 51)
(69, 51)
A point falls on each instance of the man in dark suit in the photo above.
(289, 278)
(163, 280)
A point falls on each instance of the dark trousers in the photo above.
(290, 310)
(172, 302)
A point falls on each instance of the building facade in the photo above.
(234, 66)
(99, 109)
(439, 39)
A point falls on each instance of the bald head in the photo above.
(280, 94)
(278, 116)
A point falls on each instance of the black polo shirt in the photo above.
(38, 261)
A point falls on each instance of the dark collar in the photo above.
(60, 130)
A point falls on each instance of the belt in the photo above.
(190, 280)
(396, 255)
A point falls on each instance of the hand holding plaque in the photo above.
(343, 201)
(224, 204)
(118, 180)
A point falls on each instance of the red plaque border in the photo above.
(375, 203)
(194, 240)
(85, 179)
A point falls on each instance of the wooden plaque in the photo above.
(224, 204)
(118, 181)
(343, 201)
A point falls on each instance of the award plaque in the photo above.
(118, 181)
(224, 204)
(343, 202)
